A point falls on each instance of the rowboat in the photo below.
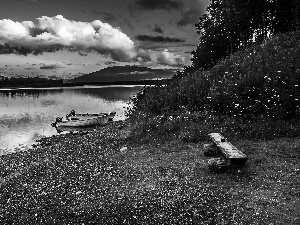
(83, 120)
(74, 116)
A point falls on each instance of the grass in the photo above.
(260, 83)
(85, 178)
(194, 127)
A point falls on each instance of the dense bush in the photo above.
(260, 82)
(257, 86)
(185, 92)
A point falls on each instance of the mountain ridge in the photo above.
(124, 73)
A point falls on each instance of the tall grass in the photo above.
(253, 93)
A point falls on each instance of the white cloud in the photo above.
(169, 58)
(10, 29)
(54, 33)
(163, 58)
(49, 34)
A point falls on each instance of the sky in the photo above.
(68, 38)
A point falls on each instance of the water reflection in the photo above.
(26, 115)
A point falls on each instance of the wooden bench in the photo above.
(229, 151)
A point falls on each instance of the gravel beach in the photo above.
(100, 177)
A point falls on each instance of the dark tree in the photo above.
(230, 25)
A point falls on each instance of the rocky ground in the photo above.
(101, 177)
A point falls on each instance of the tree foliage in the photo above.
(231, 25)
(29, 82)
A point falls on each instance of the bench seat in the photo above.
(229, 151)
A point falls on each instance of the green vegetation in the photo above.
(29, 82)
(231, 25)
(241, 83)
(252, 93)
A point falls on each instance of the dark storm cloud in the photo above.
(158, 29)
(160, 46)
(151, 38)
(127, 22)
(109, 17)
(158, 4)
(32, 1)
(191, 15)
(188, 17)
(96, 12)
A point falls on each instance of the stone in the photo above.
(123, 150)
(219, 164)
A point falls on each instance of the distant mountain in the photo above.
(124, 73)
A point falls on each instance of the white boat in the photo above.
(73, 115)
(83, 120)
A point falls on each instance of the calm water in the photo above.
(26, 114)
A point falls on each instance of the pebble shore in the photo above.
(96, 177)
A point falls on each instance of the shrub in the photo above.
(253, 93)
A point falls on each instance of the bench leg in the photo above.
(211, 150)
(219, 164)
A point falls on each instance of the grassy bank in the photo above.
(86, 178)
(253, 93)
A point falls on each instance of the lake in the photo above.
(26, 114)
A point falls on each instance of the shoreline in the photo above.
(101, 177)
(81, 84)
(66, 87)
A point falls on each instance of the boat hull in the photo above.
(86, 120)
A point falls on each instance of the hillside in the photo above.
(124, 73)
(253, 93)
